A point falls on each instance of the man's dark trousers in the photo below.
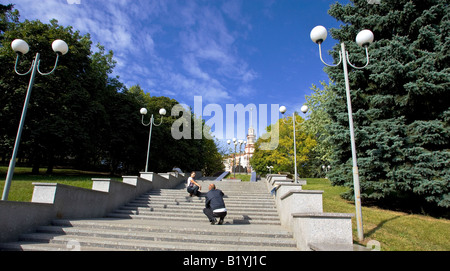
(212, 216)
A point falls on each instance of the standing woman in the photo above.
(193, 187)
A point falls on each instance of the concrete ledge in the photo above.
(330, 247)
(279, 181)
(289, 182)
(141, 185)
(119, 193)
(165, 175)
(162, 180)
(57, 201)
(333, 229)
(282, 188)
(323, 215)
(283, 181)
(23, 217)
(232, 180)
(276, 177)
(293, 192)
(71, 202)
(298, 201)
(337, 247)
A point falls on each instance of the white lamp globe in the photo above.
(283, 109)
(20, 46)
(318, 34)
(304, 109)
(143, 111)
(60, 46)
(364, 38)
(162, 112)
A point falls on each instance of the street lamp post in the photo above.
(21, 48)
(246, 159)
(234, 163)
(363, 39)
(283, 110)
(326, 169)
(240, 153)
(144, 112)
(235, 142)
(229, 142)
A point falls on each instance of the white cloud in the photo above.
(191, 65)
(178, 48)
(210, 53)
(233, 9)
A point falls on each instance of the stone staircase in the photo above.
(168, 219)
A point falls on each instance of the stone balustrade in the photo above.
(55, 201)
(302, 212)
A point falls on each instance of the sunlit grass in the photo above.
(395, 231)
(242, 177)
(22, 184)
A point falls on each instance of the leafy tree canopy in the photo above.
(80, 116)
(282, 158)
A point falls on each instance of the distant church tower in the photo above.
(242, 160)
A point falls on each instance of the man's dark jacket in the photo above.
(214, 199)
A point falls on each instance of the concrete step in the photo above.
(198, 204)
(151, 236)
(200, 219)
(229, 188)
(135, 244)
(187, 198)
(168, 219)
(199, 214)
(233, 195)
(232, 208)
(198, 208)
(235, 187)
(175, 227)
(36, 246)
(202, 200)
(182, 209)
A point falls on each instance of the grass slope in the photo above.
(22, 184)
(396, 231)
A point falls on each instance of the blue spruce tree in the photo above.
(400, 103)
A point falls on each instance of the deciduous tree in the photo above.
(282, 158)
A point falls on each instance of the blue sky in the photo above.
(228, 52)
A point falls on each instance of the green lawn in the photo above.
(396, 231)
(243, 177)
(22, 184)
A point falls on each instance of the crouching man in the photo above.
(214, 205)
